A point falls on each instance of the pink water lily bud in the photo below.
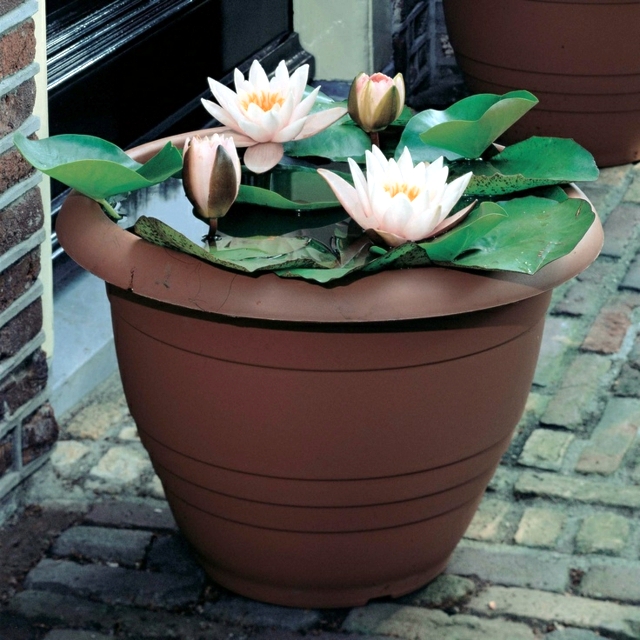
(211, 175)
(376, 101)
(397, 201)
(264, 113)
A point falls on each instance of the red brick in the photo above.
(19, 278)
(609, 329)
(39, 433)
(19, 330)
(23, 383)
(6, 454)
(8, 5)
(17, 48)
(21, 219)
(13, 169)
(16, 106)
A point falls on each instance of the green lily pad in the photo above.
(466, 129)
(243, 254)
(528, 164)
(291, 187)
(532, 233)
(95, 167)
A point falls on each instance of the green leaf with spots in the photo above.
(525, 165)
(532, 233)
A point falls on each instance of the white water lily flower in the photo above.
(262, 114)
(398, 201)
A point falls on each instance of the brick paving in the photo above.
(553, 552)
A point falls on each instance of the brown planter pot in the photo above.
(319, 445)
(580, 58)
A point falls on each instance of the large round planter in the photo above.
(581, 58)
(319, 445)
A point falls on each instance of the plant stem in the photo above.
(375, 138)
(109, 210)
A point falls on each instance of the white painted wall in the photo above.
(345, 36)
(41, 110)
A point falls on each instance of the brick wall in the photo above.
(28, 428)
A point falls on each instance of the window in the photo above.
(134, 70)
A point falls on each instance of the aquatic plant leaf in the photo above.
(95, 167)
(466, 129)
(534, 162)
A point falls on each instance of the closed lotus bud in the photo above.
(211, 175)
(376, 101)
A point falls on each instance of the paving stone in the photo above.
(414, 623)
(559, 336)
(631, 278)
(633, 192)
(242, 611)
(129, 434)
(122, 546)
(582, 298)
(68, 457)
(172, 554)
(97, 420)
(576, 611)
(618, 582)
(612, 438)
(575, 400)
(74, 634)
(42, 607)
(509, 565)
(545, 449)
(115, 585)
(489, 520)
(572, 634)
(628, 382)
(121, 466)
(624, 218)
(540, 527)
(603, 533)
(553, 485)
(609, 328)
(143, 514)
(445, 591)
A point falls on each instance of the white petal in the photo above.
(298, 82)
(290, 132)
(316, 122)
(361, 187)
(454, 192)
(262, 157)
(258, 77)
(347, 196)
(302, 109)
(222, 116)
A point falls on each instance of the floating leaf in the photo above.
(531, 163)
(534, 232)
(291, 187)
(95, 167)
(248, 255)
(466, 129)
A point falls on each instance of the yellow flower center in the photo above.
(409, 190)
(263, 99)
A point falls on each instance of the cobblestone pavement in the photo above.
(554, 551)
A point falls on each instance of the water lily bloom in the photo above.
(398, 201)
(376, 101)
(211, 175)
(262, 114)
